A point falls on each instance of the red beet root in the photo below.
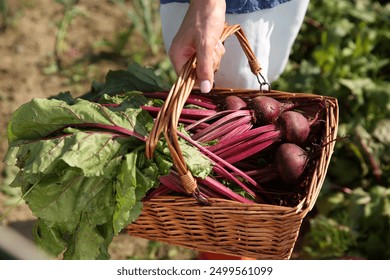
(268, 109)
(233, 102)
(294, 126)
(291, 161)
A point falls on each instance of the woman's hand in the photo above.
(199, 33)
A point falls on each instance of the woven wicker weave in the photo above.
(261, 231)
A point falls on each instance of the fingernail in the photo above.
(205, 86)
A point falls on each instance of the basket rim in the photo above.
(222, 91)
(178, 200)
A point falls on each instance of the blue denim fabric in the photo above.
(240, 6)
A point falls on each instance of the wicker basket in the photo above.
(261, 231)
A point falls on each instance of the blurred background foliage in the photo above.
(342, 51)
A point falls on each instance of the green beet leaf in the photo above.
(83, 173)
(137, 175)
(87, 242)
(39, 118)
(73, 207)
(90, 152)
(120, 81)
(48, 237)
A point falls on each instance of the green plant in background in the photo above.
(8, 13)
(358, 226)
(144, 24)
(79, 71)
(3, 14)
(342, 51)
(71, 11)
(327, 239)
(139, 41)
(144, 18)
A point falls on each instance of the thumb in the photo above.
(204, 68)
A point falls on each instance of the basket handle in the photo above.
(168, 117)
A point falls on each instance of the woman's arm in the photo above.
(199, 33)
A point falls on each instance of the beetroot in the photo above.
(268, 109)
(290, 161)
(294, 126)
(233, 102)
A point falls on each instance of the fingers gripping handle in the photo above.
(168, 117)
